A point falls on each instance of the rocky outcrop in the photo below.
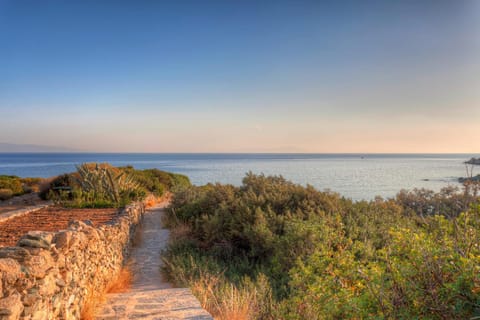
(473, 161)
(52, 275)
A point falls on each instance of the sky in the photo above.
(241, 76)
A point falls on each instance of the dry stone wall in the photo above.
(52, 275)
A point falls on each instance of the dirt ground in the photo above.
(50, 219)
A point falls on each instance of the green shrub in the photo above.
(31, 184)
(13, 183)
(157, 181)
(96, 185)
(5, 194)
(327, 257)
(58, 185)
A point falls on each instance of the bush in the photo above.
(101, 185)
(157, 181)
(18, 186)
(323, 256)
(51, 189)
(13, 183)
(31, 184)
(5, 194)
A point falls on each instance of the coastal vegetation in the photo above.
(96, 185)
(11, 186)
(272, 249)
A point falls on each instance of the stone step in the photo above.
(174, 303)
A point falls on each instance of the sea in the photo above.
(356, 176)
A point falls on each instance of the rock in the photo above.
(40, 235)
(70, 300)
(78, 240)
(33, 243)
(77, 225)
(40, 315)
(38, 265)
(31, 298)
(62, 240)
(11, 307)
(10, 270)
(47, 275)
(48, 286)
(36, 239)
(473, 161)
(59, 282)
(88, 222)
(17, 253)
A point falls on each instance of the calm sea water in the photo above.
(359, 176)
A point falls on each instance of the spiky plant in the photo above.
(104, 182)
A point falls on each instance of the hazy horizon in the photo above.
(29, 148)
(221, 77)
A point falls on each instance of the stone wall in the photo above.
(51, 275)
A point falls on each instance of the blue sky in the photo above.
(241, 76)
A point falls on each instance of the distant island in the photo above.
(470, 177)
(13, 147)
(473, 161)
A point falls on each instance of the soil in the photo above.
(50, 219)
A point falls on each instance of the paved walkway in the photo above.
(22, 202)
(150, 296)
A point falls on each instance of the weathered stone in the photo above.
(40, 315)
(33, 243)
(48, 285)
(78, 240)
(63, 240)
(9, 266)
(38, 265)
(17, 253)
(70, 300)
(11, 307)
(40, 235)
(60, 260)
(88, 222)
(59, 282)
(11, 271)
(51, 272)
(77, 225)
(31, 298)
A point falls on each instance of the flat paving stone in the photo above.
(151, 297)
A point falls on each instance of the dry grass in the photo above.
(224, 300)
(179, 232)
(44, 185)
(93, 303)
(123, 283)
(150, 201)
(95, 300)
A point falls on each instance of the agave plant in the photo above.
(105, 182)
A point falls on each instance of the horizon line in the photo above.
(233, 153)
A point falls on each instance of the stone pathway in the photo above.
(23, 202)
(151, 297)
(6, 215)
